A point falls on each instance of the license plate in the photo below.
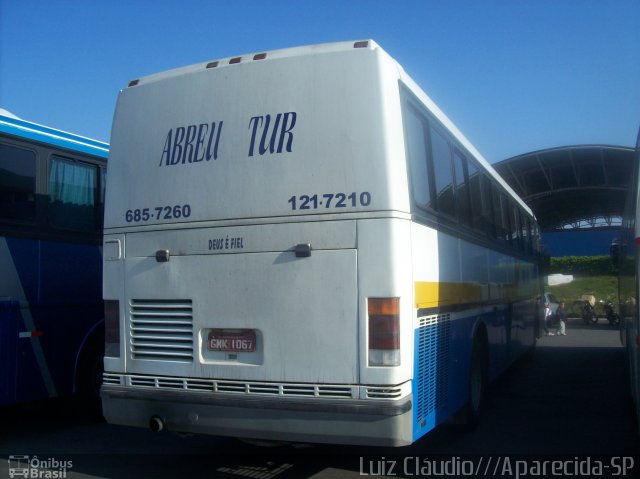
(236, 340)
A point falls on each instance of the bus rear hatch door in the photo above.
(301, 310)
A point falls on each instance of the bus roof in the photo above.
(257, 56)
(51, 136)
(337, 47)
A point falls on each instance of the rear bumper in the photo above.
(363, 422)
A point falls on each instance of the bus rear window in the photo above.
(416, 146)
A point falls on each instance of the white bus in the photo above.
(625, 253)
(300, 246)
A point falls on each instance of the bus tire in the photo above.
(89, 377)
(477, 384)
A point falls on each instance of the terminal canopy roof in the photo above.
(573, 186)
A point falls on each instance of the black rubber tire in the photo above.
(89, 380)
(477, 383)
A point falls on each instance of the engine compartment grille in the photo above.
(161, 330)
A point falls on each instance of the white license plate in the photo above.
(232, 340)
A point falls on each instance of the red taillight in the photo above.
(112, 328)
(384, 331)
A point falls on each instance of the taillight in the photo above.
(112, 328)
(384, 331)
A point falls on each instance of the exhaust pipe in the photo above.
(156, 424)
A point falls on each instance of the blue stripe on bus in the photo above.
(51, 136)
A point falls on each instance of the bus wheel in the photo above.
(89, 380)
(477, 383)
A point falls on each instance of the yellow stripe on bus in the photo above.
(437, 294)
(432, 294)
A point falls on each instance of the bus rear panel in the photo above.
(259, 270)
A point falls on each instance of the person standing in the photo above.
(547, 317)
(562, 318)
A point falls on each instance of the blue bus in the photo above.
(51, 309)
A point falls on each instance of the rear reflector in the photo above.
(384, 331)
(112, 328)
(31, 334)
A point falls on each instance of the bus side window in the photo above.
(475, 193)
(73, 195)
(443, 175)
(530, 237)
(516, 232)
(502, 217)
(488, 219)
(462, 188)
(525, 231)
(17, 183)
(536, 238)
(417, 151)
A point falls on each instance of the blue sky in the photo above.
(513, 75)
